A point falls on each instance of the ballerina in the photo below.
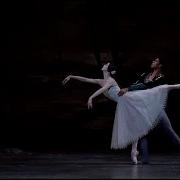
(136, 112)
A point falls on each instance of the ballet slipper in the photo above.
(134, 155)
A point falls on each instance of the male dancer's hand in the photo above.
(122, 91)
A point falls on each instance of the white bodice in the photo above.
(112, 93)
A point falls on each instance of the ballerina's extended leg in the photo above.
(171, 87)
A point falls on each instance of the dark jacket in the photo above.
(142, 84)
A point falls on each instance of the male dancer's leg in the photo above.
(143, 145)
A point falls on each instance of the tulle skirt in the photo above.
(136, 114)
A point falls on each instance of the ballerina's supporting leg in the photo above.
(134, 153)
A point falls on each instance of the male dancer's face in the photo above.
(156, 64)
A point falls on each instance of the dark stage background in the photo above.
(42, 42)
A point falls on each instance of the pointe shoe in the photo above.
(134, 155)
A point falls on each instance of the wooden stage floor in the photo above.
(87, 166)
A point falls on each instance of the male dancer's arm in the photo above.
(141, 85)
(138, 85)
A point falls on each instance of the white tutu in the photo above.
(136, 113)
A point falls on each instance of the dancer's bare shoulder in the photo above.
(112, 81)
(109, 81)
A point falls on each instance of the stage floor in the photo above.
(87, 165)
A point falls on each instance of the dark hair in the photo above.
(111, 68)
(160, 62)
(106, 56)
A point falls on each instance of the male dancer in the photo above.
(146, 81)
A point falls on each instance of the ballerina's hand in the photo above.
(90, 103)
(66, 80)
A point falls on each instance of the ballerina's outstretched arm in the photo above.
(82, 79)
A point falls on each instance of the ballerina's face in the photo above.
(105, 67)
